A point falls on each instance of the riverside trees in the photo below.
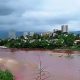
(42, 41)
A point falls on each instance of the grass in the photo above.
(6, 75)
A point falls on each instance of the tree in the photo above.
(69, 40)
(1, 42)
(59, 43)
(59, 32)
(36, 36)
(77, 36)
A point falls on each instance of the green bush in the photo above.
(6, 75)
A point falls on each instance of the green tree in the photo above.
(58, 43)
(69, 40)
(78, 36)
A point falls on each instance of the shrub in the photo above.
(6, 75)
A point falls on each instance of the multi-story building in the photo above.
(64, 28)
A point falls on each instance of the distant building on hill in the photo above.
(54, 30)
(64, 28)
(31, 33)
(25, 34)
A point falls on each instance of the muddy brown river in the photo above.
(54, 65)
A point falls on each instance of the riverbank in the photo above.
(68, 51)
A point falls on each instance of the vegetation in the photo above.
(6, 75)
(47, 41)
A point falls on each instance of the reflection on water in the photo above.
(24, 63)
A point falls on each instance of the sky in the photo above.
(39, 15)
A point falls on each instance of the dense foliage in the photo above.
(6, 75)
(59, 41)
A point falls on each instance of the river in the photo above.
(55, 65)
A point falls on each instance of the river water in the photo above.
(55, 65)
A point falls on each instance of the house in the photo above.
(77, 41)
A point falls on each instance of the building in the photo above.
(53, 34)
(46, 33)
(31, 33)
(64, 28)
(25, 34)
(77, 41)
(54, 30)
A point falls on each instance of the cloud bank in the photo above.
(39, 15)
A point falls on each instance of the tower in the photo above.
(64, 28)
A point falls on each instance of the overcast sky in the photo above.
(39, 15)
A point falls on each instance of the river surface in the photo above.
(55, 65)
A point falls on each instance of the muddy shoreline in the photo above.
(41, 49)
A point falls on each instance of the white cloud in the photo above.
(61, 5)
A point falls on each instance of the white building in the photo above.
(31, 33)
(77, 41)
(25, 34)
(54, 34)
(64, 28)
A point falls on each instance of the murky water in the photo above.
(56, 65)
